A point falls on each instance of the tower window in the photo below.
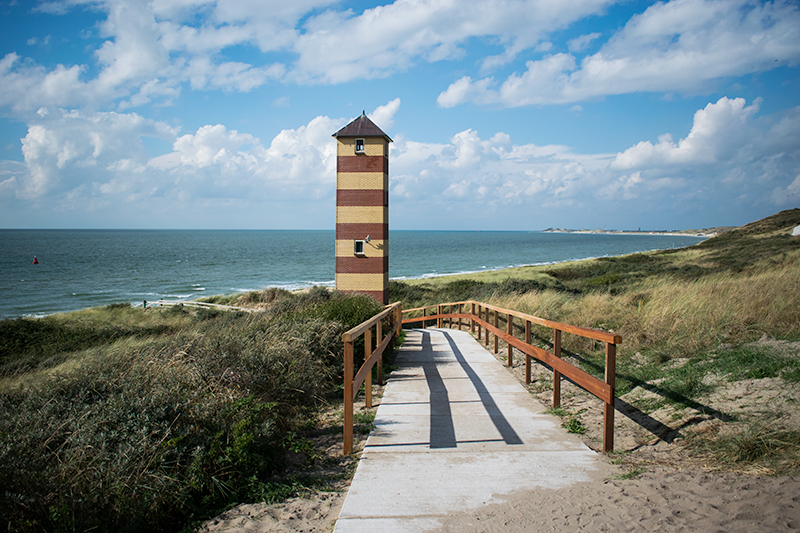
(359, 248)
(359, 146)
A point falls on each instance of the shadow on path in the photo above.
(444, 435)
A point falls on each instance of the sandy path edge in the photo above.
(664, 500)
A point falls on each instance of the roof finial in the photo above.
(363, 112)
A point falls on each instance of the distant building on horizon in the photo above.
(362, 209)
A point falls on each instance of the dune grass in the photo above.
(731, 288)
(116, 419)
(684, 315)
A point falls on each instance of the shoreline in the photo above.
(529, 265)
(701, 234)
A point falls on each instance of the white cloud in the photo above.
(144, 56)
(342, 46)
(67, 149)
(383, 116)
(730, 153)
(579, 43)
(789, 195)
(27, 87)
(730, 156)
(229, 76)
(211, 145)
(150, 49)
(680, 45)
(132, 52)
(80, 162)
(718, 133)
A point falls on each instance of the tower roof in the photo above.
(361, 127)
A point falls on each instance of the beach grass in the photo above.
(119, 419)
(689, 319)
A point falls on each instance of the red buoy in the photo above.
(35, 261)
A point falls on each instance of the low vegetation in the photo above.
(116, 419)
(690, 320)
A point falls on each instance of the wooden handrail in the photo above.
(479, 317)
(371, 358)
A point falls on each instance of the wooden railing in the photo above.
(371, 358)
(485, 319)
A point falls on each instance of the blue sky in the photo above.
(517, 115)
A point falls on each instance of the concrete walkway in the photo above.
(454, 431)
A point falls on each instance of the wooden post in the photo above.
(486, 337)
(527, 357)
(459, 318)
(368, 377)
(510, 331)
(423, 318)
(496, 340)
(556, 374)
(608, 412)
(472, 320)
(348, 397)
(480, 315)
(439, 313)
(379, 341)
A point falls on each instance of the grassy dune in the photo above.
(116, 419)
(731, 288)
(690, 321)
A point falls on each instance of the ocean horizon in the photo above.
(85, 268)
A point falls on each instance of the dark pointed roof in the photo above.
(361, 127)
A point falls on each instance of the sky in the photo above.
(504, 115)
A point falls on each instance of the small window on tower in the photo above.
(359, 248)
(359, 146)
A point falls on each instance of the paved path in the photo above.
(454, 431)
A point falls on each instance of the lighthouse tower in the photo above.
(362, 209)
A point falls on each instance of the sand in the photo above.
(314, 513)
(664, 500)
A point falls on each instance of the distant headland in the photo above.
(707, 232)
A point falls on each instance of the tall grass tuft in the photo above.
(757, 446)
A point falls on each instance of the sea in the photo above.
(77, 269)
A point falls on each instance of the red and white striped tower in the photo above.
(362, 209)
